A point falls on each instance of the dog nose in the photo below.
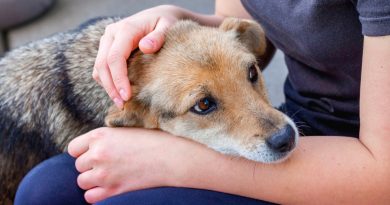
(283, 140)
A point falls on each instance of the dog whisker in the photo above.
(293, 115)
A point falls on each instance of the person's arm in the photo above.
(231, 8)
(324, 170)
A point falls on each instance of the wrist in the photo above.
(195, 166)
(172, 10)
(183, 14)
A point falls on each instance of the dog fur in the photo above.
(48, 97)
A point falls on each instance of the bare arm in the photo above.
(323, 170)
(328, 170)
(223, 8)
(233, 9)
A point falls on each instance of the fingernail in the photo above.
(118, 102)
(147, 43)
(123, 94)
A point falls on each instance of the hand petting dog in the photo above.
(145, 30)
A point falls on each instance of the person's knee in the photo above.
(30, 189)
(54, 181)
(179, 196)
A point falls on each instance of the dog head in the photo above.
(206, 84)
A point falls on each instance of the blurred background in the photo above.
(22, 21)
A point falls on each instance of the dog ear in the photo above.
(252, 35)
(133, 114)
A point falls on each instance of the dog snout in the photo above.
(283, 140)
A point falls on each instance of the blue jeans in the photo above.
(53, 182)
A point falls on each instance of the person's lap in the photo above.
(54, 182)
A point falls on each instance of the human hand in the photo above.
(144, 30)
(117, 160)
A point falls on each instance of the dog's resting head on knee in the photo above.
(206, 84)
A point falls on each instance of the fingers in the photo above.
(117, 59)
(80, 145)
(97, 194)
(92, 178)
(104, 47)
(101, 72)
(111, 62)
(153, 41)
(117, 43)
(84, 180)
(84, 163)
(100, 62)
(108, 84)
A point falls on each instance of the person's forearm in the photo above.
(223, 9)
(322, 170)
(212, 20)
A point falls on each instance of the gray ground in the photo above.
(67, 14)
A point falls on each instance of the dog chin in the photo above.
(268, 158)
(262, 154)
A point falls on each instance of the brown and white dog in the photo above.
(204, 84)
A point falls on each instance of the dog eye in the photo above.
(252, 74)
(204, 106)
